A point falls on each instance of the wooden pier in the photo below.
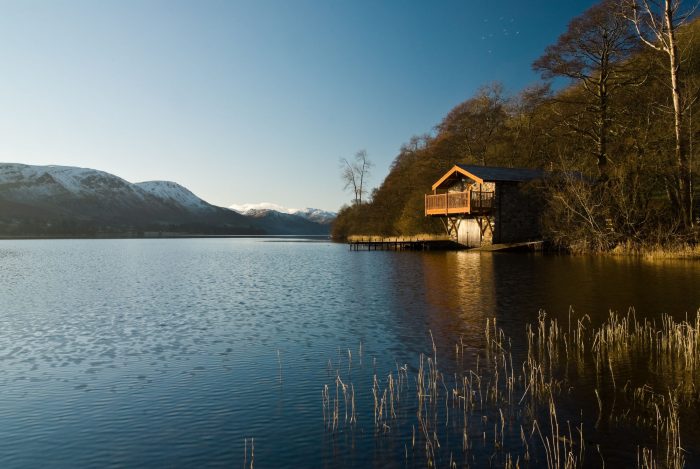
(428, 242)
(402, 243)
(512, 247)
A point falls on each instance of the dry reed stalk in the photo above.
(645, 459)
(245, 453)
(279, 360)
(353, 416)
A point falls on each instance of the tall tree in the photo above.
(656, 23)
(594, 51)
(527, 127)
(355, 174)
(473, 124)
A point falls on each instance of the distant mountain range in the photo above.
(68, 201)
(313, 214)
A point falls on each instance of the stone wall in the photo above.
(517, 213)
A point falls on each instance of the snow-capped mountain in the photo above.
(274, 221)
(59, 200)
(92, 193)
(243, 208)
(312, 214)
(25, 182)
(317, 215)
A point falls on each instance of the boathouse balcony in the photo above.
(459, 203)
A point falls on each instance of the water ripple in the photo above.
(172, 352)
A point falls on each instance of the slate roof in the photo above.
(495, 174)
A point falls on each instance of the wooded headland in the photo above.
(625, 122)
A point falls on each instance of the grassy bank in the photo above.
(656, 251)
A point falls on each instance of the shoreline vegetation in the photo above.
(650, 251)
(656, 252)
(623, 123)
(551, 406)
(681, 251)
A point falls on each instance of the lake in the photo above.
(215, 352)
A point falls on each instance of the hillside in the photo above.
(68, 201)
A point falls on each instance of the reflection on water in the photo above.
(460, 282)
(171, 352)
(515, 287)
(459, 295)
(462, 289)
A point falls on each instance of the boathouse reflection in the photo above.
(459, 289)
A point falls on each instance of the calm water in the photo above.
(157, 353)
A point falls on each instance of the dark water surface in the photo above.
(164, 353)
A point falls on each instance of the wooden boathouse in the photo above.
(482, 205)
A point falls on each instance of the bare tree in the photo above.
(355, 174)
(656, 23)
(594, 51)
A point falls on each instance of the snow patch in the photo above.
(175, 193)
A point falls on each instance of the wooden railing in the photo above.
(458, 203)
(482, 201)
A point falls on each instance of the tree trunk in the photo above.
(603, 107)
(603, 131)
(681, 153)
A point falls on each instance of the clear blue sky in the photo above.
(251, 101)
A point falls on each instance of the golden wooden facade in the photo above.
(459, 203)
(447, 199)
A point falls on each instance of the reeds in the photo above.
(514, 415)
(332, 413)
